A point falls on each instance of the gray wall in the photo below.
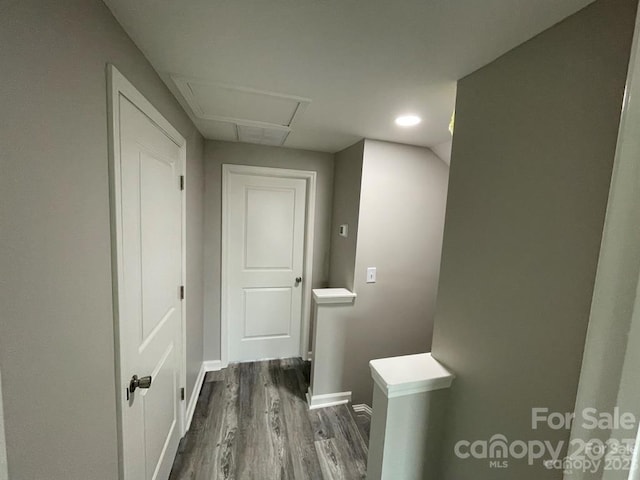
(610, 364)
(56, 330)
(400, 224)
(218, 153)
(346, 208)
(533, 148)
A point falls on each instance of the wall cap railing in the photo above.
(408, 374)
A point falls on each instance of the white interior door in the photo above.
(149, 241)
(265, 234)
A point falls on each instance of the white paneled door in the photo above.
(148, 226)
(265, 235)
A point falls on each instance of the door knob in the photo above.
(298, 280)
(144, 382)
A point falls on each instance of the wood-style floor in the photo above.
(252, 423)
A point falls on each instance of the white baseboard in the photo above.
(207, 366)
(213, 365)
(193, 400)
(327, 399)
(362, 408)
(4, 474)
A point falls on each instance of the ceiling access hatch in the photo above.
(255, 116)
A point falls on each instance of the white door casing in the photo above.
(4, 469)
(147, 162)
(267, 235)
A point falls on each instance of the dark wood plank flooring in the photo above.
(363, 420)
(252, 423)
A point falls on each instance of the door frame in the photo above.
(309, 232)
(118, 85)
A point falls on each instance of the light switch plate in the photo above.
(371, 275)
(343, 230)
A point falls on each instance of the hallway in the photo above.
(515, 270)
(252, 422)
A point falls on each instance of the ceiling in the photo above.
(322, 74)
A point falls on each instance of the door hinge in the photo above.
(182, 393)
(181, 182)
(181, 292)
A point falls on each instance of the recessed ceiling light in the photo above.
(408, 120)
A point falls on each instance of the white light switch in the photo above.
(371, 275)
(343, 231)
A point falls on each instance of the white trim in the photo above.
(310, 177)
(617, 270)
(333, 296)
(193, 399)
(118, 85)
(409, 374)
(4, 468)
(207, 366)
(362, 408)
(185, 300)
(213, 365)
(327, 399)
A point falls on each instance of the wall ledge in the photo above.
(324, 296)
(409, 374)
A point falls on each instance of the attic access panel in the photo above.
(240, 105)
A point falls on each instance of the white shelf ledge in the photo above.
(333, 295)
(408, 374)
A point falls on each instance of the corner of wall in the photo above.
(347, 185)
